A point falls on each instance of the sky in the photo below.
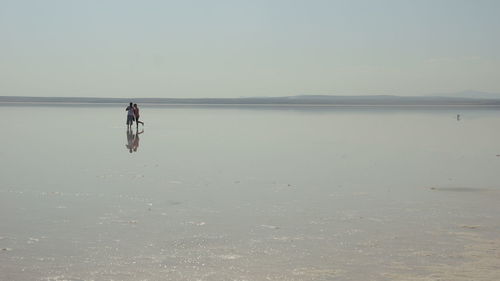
(247, 48)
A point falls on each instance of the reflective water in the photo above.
(249, 194)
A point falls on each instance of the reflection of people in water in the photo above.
(136, 140)
(133, 140)
(130, 140)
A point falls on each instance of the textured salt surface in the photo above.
(250, 195)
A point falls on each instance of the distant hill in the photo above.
(471, 94)
(317, 100)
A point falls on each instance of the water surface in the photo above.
(249, 194)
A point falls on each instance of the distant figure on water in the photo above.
(458, 117)
(130, 115)
(136, 114)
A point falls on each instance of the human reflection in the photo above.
(133, 140)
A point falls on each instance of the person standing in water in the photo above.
(136, 114)
(130, 115)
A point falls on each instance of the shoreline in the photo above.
(267, 105)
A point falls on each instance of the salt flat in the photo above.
(249, 194)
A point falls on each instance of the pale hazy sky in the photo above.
(236, 48)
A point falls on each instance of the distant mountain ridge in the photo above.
(471, 94)
(324, 100)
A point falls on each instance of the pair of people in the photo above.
(133, 115)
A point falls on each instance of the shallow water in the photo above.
(249, 194)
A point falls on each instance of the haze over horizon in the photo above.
(230, 49)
